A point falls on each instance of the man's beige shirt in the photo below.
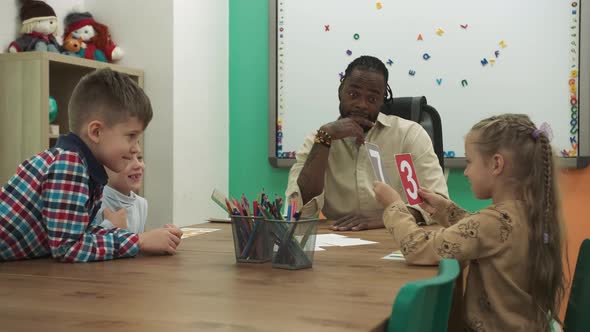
(348, 183)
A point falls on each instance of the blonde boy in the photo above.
(120, 195)
(47, 207)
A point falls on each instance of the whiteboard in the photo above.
(530, 48)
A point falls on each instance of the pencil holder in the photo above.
(251, 240)
(294, 243)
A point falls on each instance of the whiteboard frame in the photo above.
(581, 161)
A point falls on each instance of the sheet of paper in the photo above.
(188, 231)
(348, 241)
(375, 158)
(395, 256)
(325, 240)
(337, 240)
(330, 236)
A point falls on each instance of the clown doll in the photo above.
(94, 38)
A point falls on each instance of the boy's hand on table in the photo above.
(160, 241)
(174, 229)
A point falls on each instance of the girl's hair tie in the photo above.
(545, 130)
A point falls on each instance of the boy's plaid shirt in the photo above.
(48, 206)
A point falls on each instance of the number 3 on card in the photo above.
(407, 173)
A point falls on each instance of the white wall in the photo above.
(201, 111)
(10, 26)
(182, 46)
(185, 57)
(146, 38)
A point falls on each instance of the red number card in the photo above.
(407, 173)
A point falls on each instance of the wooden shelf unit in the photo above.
(27, 80)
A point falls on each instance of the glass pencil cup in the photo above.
(293, 243)
(251, 240)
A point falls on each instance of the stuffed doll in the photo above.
(94, 38)
(39, 24)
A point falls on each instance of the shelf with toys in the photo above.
(38, 75)
(27, 81)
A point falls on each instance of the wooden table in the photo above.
(201, 288)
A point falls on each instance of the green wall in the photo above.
(249, 170)
(460, 192)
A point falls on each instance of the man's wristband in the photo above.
(323, 138)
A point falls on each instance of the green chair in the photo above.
(577, 314)
(425, 305)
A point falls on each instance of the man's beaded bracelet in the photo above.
(323, 138)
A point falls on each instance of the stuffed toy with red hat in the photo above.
(93, 38)
(39, 25)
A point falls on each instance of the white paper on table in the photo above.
(189, 231)
(329, 236)
(349, 241)
(337, 240)
(326, 240)
(395, 256)
(319, 242)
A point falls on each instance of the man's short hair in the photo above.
(370, 63)
(109, 96)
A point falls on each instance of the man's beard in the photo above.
(356, 114)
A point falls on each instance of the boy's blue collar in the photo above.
(72, 142)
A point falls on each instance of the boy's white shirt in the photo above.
(135, 205)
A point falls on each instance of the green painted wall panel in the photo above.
(249, 169)
(460, 192)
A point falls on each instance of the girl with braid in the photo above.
(514, 247)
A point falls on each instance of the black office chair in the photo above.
(416, 109)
